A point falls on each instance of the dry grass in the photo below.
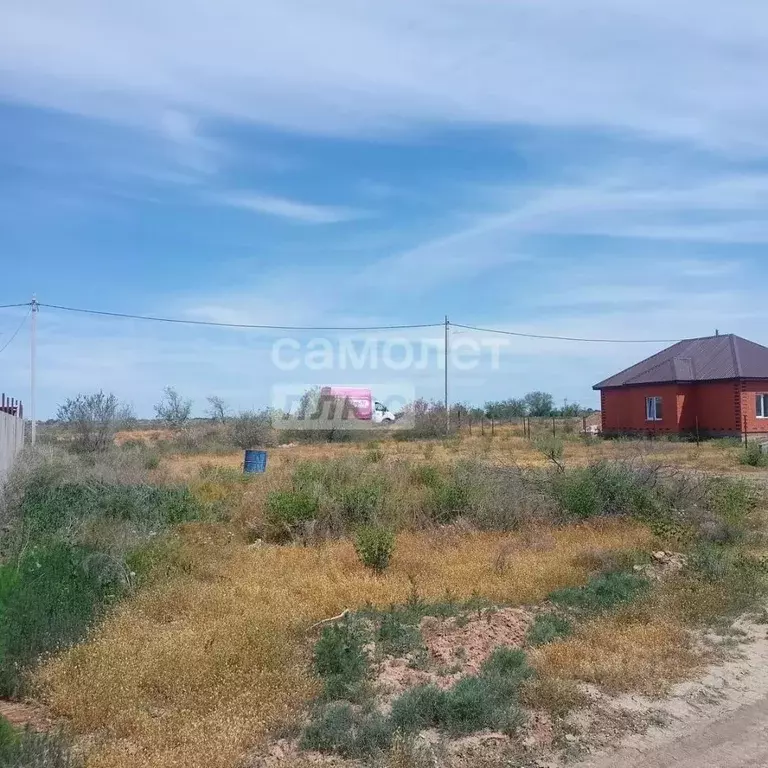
(197, 671)
(506, 447)
(620, 655)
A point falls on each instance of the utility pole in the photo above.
(447, 407)
(33, 367)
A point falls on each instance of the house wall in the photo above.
(748, 415)
(715, 408)
(718, 407)
(623, 409)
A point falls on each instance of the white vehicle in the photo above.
(382, 414)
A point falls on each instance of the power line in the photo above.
(181, 321)
(565, 338)
(16, 332)
(270, 327)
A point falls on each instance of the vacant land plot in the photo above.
(349, 598)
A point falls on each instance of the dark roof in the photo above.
(709, 359)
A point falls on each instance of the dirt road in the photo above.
(737, 741)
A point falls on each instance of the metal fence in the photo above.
(11, 433)
(530, 427)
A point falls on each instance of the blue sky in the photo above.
(591, 169)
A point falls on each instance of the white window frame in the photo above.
(761, 404)
(652, 408)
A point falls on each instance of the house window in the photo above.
(653, 409)
(762, 406)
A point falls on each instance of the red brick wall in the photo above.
(718, 407)
(748, 391)
(624, 409)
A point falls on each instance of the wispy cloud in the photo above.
(687, 71)
(285, 208)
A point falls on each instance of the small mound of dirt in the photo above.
(467, 643)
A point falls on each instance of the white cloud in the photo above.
(692, 69)
(288, 209)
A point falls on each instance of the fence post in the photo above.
(493, 431)
(698, 439)
(482, 425)
(554, 428)
(746, 436)
(470, 423)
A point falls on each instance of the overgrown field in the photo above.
(163, 605)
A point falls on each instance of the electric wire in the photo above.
(271, 327)
(16, 332)
(564, 338)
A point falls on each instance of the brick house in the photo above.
(717, 385)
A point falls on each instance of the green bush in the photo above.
(548, 627)
(339, 728)
(395, 637)
(487, 700)
(49, 508)
(426, 475)
(360, 503)
(49, 600)
(287, 508)
(28, 749)
(156, 559)
(341, 662)
(449, 500)
(602, 593)
(752, 456)
(604, 488)
(419, 708)
(374, 546)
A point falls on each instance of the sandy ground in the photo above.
(717, 721)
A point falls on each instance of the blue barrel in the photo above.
(255, 461)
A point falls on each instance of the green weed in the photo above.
(374, 546)
(548, 627)
(602, 593)
(341, 662)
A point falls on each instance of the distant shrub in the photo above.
(753, 456)
(341, 662)
(48, 601)
(450, 500)
(92, 420)
(287, 508)
(374, 546)
(548, 627)
(604, 488)
(151, 460)
(359, 503)
(173, 409)
(426, 475)
(253, 429)
(602, 593)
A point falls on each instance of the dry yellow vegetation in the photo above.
(618, 655)
(197, 671)
(506, 447)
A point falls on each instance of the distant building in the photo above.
(717, 385)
